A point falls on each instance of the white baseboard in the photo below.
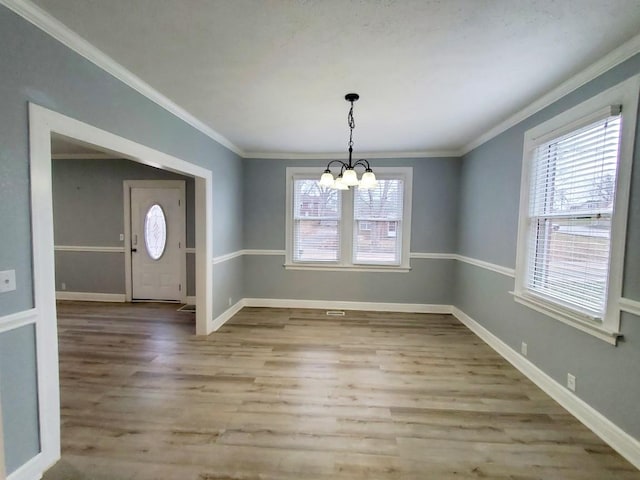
(91, 296)
(322, 305)
(343, 305)
(618, 439)
(32, 470)
(225, 316)
(190, 300)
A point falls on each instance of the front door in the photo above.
(157, 240)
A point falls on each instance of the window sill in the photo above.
(575, 320)
(347, 268)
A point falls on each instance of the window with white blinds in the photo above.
(316, 222)
(378, 216)
(574, 204)
(353, 229)
(573, 184)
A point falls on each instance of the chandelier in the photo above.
(348, 176)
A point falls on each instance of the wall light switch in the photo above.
(7, 281)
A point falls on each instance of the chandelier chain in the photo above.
(352, 125)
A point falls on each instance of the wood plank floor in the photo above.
(294, 394)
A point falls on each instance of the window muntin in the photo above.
(155, 232)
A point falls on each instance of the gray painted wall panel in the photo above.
(228, 282)
(94, 272)
(191, 274)
(228, 179)
(19, 396)
(429, 281)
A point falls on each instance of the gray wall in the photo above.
(88, 210)
(607, 377)
(433, 230)
(37, 68)
(19, 395)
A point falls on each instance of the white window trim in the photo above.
(626, 95)
(347, 225)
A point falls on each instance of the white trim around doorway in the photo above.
(42, 123)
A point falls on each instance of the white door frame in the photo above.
(128, 264)
(42, 123)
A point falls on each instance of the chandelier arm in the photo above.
(328, 169)
(363, 163)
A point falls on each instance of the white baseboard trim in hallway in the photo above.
(91, 296)
(614, 436)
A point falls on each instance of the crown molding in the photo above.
(50, 25)
(367, 155)
(615, 57)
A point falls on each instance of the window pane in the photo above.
(571, 261)
(155, 232)
(378, 215)
(572, 196)
(316, 241)
(316, 222)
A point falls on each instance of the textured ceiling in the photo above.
(270, 75)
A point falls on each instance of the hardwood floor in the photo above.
(294, 394)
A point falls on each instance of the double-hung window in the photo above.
(354, 229)
(573, 209)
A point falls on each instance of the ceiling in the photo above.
(270, 75)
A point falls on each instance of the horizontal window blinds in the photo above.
(378, 223)
(316, 222)
(571, 202)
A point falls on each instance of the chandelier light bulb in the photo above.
(326, 180)
(339, 184)
(368, 180)
(350, 177)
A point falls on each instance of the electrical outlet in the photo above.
(122, 237)
(63, 286)
(7, 281)
(230, 301)
(523, 349)
(571, 382)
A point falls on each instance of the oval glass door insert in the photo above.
(155, 231)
